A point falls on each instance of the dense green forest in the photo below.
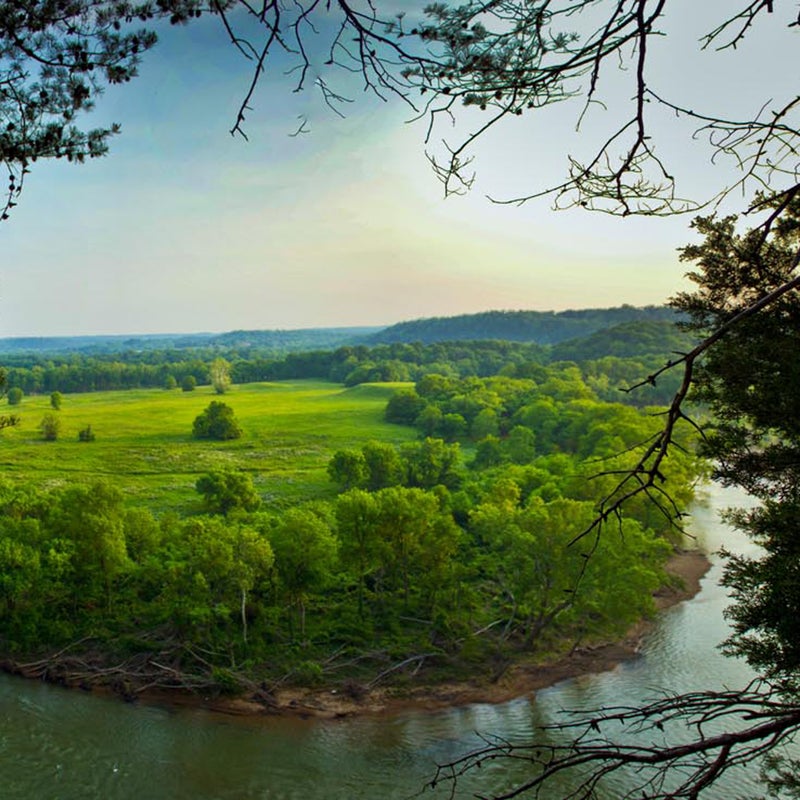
(542, 327)
(610, 361)
(459, 547)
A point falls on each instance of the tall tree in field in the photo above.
(220, 371)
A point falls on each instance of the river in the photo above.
(58, 745)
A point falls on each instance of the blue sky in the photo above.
(185, 228)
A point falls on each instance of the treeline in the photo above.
(541, 327)
(272, 342)
(349, 365)
(632, 352)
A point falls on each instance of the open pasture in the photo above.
(144, 439)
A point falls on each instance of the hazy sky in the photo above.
(184, 228)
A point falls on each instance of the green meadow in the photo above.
(144, 442)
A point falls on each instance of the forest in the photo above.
(442, 529)
(610, 358)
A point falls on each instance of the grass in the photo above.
(144, 442)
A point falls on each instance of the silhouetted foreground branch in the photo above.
(646, 476)
(671, 748)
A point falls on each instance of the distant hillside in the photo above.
(277, 341)
(541, 327)
(640, 338)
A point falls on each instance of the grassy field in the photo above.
(144, 442)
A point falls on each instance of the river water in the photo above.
(58, 745)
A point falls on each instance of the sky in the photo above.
(184, 228)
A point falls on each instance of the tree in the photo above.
(358, 532)
(86, 434)
(50, 426)
(54, 60)
(305, 551)
(220, 371)
(521, 444)
(15, 396)
(754, 438)
(432, 462)
(92, 518)
(348, 469)
(404, 407)
(6, 420)
(216, 422)
(189, 383)
(55, 401)
(384, 465)
(224, 491)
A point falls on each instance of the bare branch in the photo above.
(682, 755)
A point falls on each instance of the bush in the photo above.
(404, 407)
(50, 426)
(220, 371)
(15, 396)
(216, 422)
(170, 383)
(189, 383)
(55, 401)
(224, 491)
(86, 434)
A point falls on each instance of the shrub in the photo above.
(216, 422)
(50, 426)
(189, 383)
(55, 401)
(86, 434)
(404, 407)
(15, 396)
(224, 491)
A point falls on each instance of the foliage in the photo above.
(216, 422)
(54, 60)
(542, 327)
(305, 550)
(404, 407)
(56, 398)
(50, 426)
(395, 566)
(606, 375)
(220, 371)
(86, 434)
(6, 420)
(348, 469)
(755, 435)
(226, 491)
(14, 396)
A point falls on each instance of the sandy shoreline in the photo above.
(521, 679)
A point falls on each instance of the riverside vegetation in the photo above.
(356, 532)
